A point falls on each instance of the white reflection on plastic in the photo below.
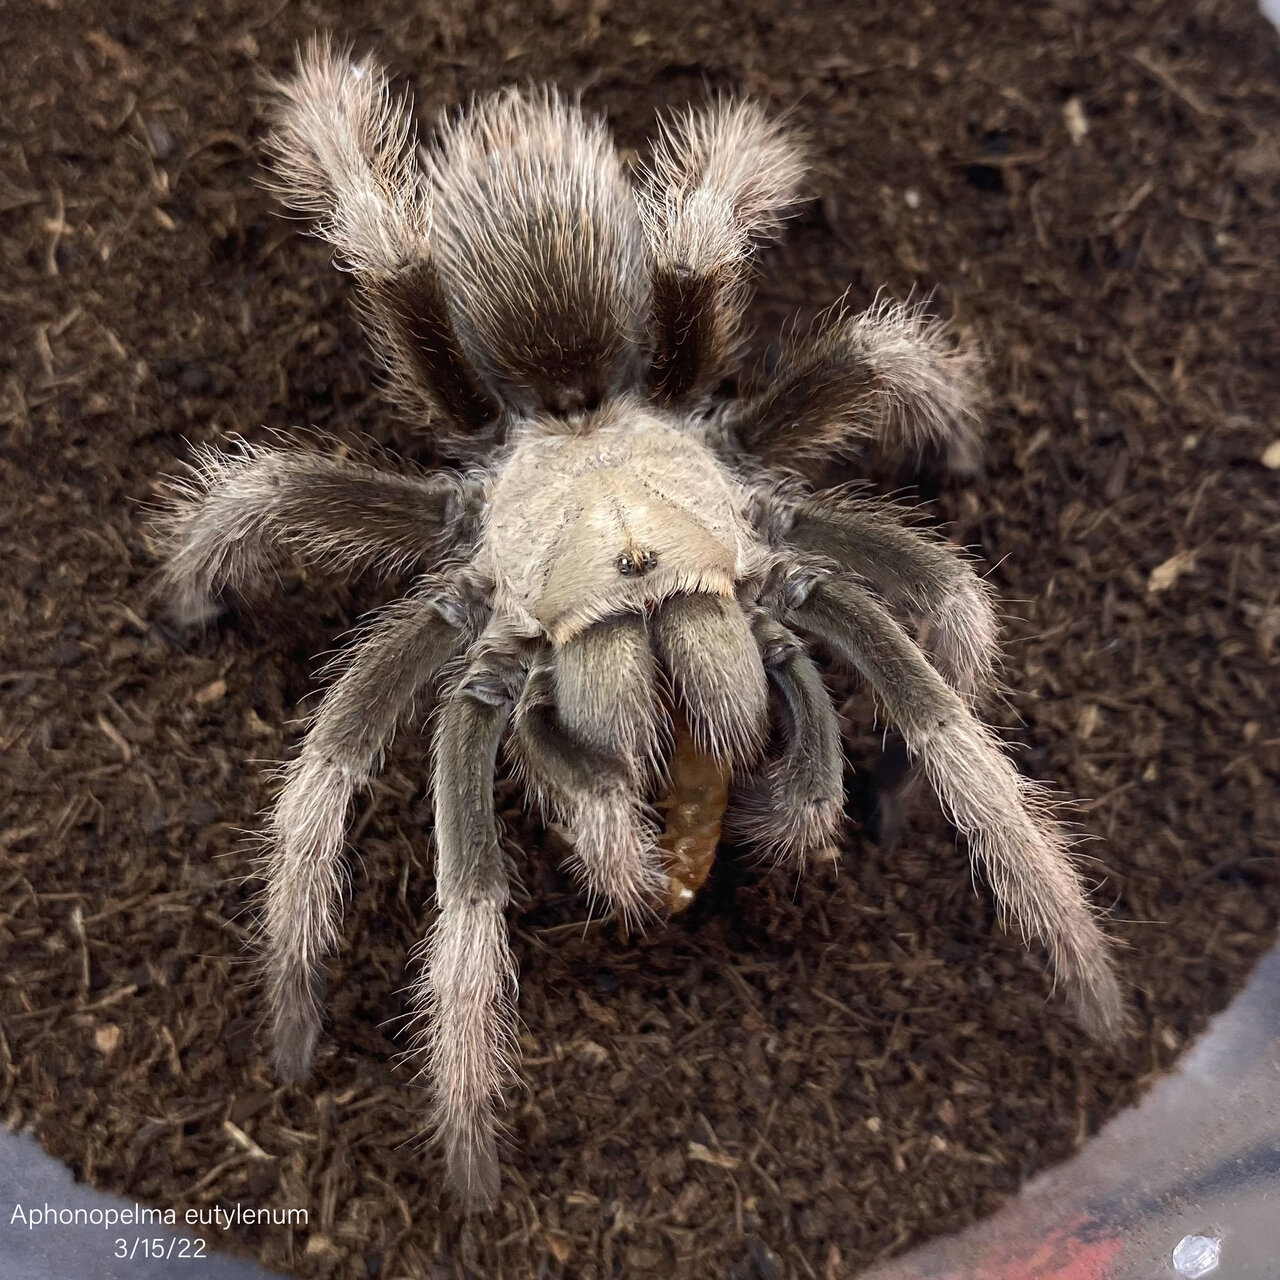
(1197, 1255)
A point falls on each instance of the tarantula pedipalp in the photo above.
(621, 551)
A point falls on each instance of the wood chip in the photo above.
(214, 691)
(107, 1039)
(1074, 118)
(704, 1155)
(1166, 574)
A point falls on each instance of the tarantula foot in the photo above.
(294, 1038)
(780, 812)
(958, 460)
(1097, 1002)
(890, 794)
(191, 608)
(880, 796)
(472, 1158)
(886, 820)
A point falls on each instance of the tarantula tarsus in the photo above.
(617, 553)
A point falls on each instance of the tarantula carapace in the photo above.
(619, 563)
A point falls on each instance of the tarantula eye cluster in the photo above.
(636, 564)
(619, 589)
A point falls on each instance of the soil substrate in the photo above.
(791, 1080)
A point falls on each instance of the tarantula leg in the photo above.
(917, 572)
(238, 511)
(793, 803)
(908, 567)
(594, 792)
(1023, 851)
(707, 647)
(893, 780)
(401, 652)
(343, 150)
(719, 179)
(890, 376)
(693, 804)
(466, 991)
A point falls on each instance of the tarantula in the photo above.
(619, 560)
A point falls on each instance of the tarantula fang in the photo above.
(622, 577)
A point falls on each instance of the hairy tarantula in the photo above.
(621, 568)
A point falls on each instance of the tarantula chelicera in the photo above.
(620, 572)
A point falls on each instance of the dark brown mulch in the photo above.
(789, 1081)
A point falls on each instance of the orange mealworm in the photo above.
(694, 806)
